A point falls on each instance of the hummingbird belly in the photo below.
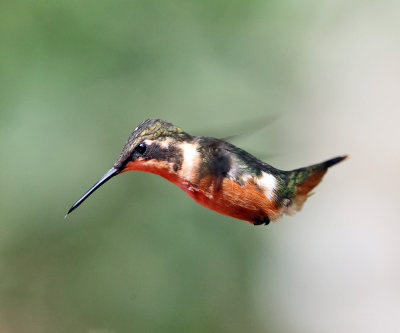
(245, 202)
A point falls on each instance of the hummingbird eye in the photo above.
(141, 148)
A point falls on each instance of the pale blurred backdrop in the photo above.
(141, 256)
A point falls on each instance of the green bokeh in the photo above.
(139, 256)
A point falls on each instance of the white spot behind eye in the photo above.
(165, 143)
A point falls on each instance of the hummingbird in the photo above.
(215, 173)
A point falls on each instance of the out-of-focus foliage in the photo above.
(76, 77)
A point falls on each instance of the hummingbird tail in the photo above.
(303, 180)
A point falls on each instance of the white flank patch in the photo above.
(267, 183)
(191, 160)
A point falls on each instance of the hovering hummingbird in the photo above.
(215, 173)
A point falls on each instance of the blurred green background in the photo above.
(77, 77)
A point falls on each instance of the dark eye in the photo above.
(141, 148)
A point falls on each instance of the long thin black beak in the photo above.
(108, 175)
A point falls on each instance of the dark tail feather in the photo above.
(305, 179)
(327, 164)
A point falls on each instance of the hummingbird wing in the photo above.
(216, 161)
(221, 159)
(244, 128)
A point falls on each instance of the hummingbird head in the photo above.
(153, 141)
(152, 147)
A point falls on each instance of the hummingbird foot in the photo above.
(264, 220)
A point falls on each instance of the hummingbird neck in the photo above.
(179, 162)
